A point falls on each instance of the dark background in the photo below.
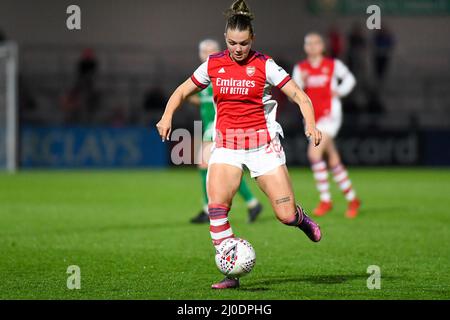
(136, 52)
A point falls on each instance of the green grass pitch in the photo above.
(128, 232)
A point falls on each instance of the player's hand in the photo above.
(313, 135)
(164, 127)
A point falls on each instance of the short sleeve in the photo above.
(348, 80)
(201, 77)
(276, 75)
(340, 69)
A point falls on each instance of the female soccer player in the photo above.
(246, 130)
(319, 77)
(205, 99)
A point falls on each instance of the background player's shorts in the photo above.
(259, 161)
(331, 123)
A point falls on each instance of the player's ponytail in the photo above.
(239, 17)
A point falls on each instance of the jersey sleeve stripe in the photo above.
(283, 83)
(197, 83)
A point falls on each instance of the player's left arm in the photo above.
(278, 77)
(346, 76)
(299, 97)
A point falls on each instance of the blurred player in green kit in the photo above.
(205, 100)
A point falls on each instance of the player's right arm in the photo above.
(186, 89)
(199, 81)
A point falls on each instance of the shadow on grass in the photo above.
(365, 212)
(251, 289)
(265, 284)
(369, 210)
(171, 225)
(130, 227)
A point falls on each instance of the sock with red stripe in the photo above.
(340, 175)
(219, 228)
(321, 176)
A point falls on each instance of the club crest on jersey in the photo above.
(251, 71)
(325, 70)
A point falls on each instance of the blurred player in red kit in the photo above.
(325, 81)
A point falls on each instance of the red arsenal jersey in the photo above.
(245, 110)
(318, 85)
(319, 82)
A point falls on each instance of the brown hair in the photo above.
(239, 17)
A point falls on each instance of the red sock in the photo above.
(321, 176)
(341, 177)
(219, 228)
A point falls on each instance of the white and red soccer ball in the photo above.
(235, 257)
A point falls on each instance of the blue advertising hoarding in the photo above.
(76, 147)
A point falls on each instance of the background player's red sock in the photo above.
(340, 175)
(321, 176)
(219, 228)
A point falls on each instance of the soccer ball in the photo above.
(235, 257)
